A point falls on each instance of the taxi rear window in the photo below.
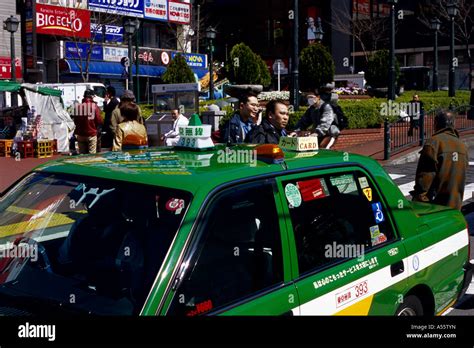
(82, 244)
(332, 212)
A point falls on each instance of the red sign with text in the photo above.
(5, 68)
(55, 20)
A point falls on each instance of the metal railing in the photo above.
(404, 133)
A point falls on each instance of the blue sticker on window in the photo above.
(378, 213)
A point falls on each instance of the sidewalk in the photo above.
(375, 149)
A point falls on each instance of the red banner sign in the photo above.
(55, 20)
(5, 68)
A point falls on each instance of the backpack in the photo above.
(340, 120)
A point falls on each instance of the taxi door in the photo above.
(238, 260)
(346, 254)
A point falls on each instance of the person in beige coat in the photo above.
(130, 134)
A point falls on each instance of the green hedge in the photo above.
(361, 113)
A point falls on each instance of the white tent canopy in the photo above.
(55, 121)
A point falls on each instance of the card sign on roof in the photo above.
(299, 143)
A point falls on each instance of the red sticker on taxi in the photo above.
(313, 189)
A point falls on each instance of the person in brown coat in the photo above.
(442, 167)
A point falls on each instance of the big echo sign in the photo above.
(54, 20)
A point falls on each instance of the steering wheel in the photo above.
(41, 250)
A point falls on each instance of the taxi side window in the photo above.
(238, 254)
(335, 217)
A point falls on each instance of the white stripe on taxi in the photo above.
(382, 279)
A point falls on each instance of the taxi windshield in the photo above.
(84, 245)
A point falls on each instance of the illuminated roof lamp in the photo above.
(195, 136)
(270, 153)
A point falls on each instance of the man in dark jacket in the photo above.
(441, 172)
(320, 115)
(241, 123)
(417, 111)
(110, 103)
(272, 126)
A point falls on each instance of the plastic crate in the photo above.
(44, 148)
(6, 147)
(26, 148)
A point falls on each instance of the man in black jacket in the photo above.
(273, 125)
(110, 103)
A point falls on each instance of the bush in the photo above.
(378, 68)
(316, 67)
(178, 71)
(246, 67)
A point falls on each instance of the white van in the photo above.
(72, 92)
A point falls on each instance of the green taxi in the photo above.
(227, 230)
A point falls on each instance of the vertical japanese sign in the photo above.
(179, 12)
(5, 68)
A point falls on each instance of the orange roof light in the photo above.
(270, 153)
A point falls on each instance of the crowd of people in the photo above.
(247, 125)
(123, 126)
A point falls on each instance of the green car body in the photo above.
(414, 255)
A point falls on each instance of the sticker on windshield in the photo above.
(376, 236)
(175, 205)
(368, 193)
(344, 183)
(378, 213)
(91, 191)
(363, 182)
(313, 189)
(293, 195)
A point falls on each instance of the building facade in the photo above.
(85, 40)
(7, 9)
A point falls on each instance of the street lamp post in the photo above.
(130, 27)
(435, 24)
(391, 74)
(11, 25)
(452, 8)
(294, 89)
(211, 36)
(319, 33)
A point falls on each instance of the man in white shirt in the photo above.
(172, 137)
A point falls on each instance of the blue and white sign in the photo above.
(133, 8)
(113, 33)
(378, 213)
(194, 60)
(114, 54)
(76, 50)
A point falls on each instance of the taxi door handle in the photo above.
(397, 268)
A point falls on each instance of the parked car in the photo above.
(240, 230)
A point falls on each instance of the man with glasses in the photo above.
(242, 122)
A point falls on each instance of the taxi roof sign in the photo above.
(299, 144)
(196, 137)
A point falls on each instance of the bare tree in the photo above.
(101, 19)
(368, 31)
(464, 23)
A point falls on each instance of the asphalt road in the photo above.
(404, 176)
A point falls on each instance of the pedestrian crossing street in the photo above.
(406, 184)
